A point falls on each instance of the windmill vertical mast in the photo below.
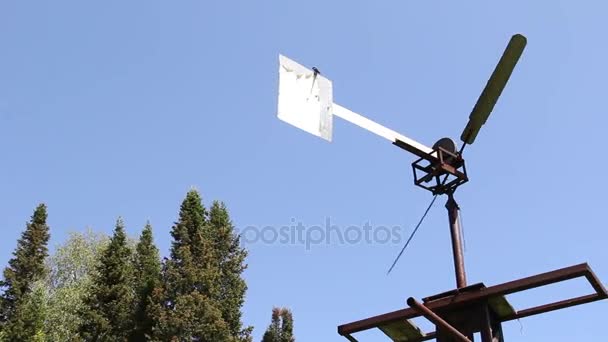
(457, 250)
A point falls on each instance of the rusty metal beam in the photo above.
(375, 321)
(538, 280)
(350, 338)
(596, 283)
(457, 250)
(486, 327)
(554, 306)
(576, 271)
(435, 319)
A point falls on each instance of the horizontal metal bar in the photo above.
(426, 337)
(538, 280)
(376, 128)
(431, 157)
(375, 321)
(553, 306)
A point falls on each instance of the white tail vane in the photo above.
(306, 102)
(305, 99)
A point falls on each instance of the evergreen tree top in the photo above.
(147, 260)
(281, 326)
(147, 278)
(25, 269)
(192, 207)
(107, 314)
(118, 239)
(40, 214)
(27, 264)
(146, 237)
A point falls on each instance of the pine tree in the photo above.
(281, 327)
(24, 270)
(147, 277)
(109, 304)
(186, 309)
(231, 263)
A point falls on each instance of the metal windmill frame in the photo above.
(306, 101)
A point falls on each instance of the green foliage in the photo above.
(186, 306)
(147, 278)
(72, 268)
(108, 313)
(76, 260)
(28, 321)
(231, 264)
(26, 268)
(95, 288)
(190, 317)
(287, 328)
(281, 327)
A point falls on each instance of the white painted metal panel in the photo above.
(305, 99)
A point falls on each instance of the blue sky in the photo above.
(118, 108)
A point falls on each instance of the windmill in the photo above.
(306, 101)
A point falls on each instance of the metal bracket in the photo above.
(442, 174)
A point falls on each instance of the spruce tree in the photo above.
(28, 323)
(108, 309)
(273, 332)
(24, 270)
(147, 277)
(186, 307)
(231, 263)
(287, 327)
(281, 327)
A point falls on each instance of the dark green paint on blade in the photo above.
(494, 87)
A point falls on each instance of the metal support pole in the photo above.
(438, 321)
(452, 207)
(486, 326)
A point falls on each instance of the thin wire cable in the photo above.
(422, 219)
(463, 238)
(412, 235)
(521, 326)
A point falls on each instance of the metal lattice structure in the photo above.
(474, 308)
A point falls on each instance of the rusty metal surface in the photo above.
(553, 306)
(450, 293)
(457, 251)
(486, 329)
(461, 299)
(444, 172)
(350, 338)
(438, 321)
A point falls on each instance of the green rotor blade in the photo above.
(493, 89)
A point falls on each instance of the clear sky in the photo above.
(115, 108)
